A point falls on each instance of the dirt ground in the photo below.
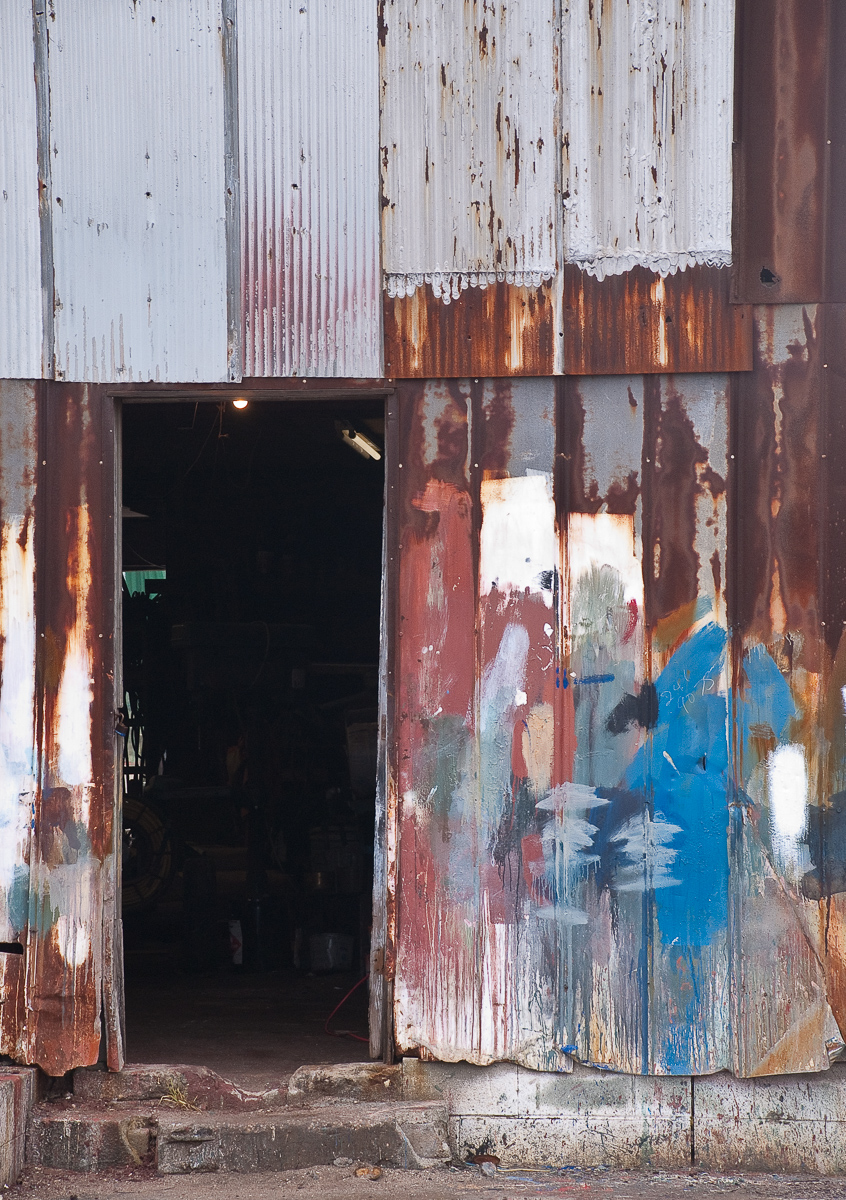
(341, 1183)
(253, 1029)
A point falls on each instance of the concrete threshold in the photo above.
(182, 1120)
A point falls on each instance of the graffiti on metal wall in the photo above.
(607, 837)
(59, 965)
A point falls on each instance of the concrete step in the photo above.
(177, 1085)
(85, 1137)
(372, 1082)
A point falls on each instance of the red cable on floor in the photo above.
(340, 1004)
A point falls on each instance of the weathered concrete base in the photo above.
(94, 1137)
(788, 1123)
(372, 1081)
(73, 1140)
(587, 1118)
(428, 1113)
(18, 1094)
(396, 1135)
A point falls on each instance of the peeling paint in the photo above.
(647, 132)
(627, 825)
(468, 138)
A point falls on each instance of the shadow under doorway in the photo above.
(252, 559)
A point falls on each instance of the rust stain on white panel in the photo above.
(20, 236)
(468, 137)
(647, 128)
(309, 129)
(139, 222)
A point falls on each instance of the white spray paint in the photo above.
(17, 694)
(506, 673)
(73, 940)
(518, 542)
(787, 794)
(646, 843)
(605, 539)
(76, 688)
(568, 844)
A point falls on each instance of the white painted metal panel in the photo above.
(309, 128)
(20, 235)
(17, 678)
(139, 223)
(647, 132)
(469, 96)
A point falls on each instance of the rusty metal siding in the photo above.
(309, 118)
(499, 330)
(59, 874)
(621, 777)
(18, 769)
(647, 132)
(20, 234)
(640, 322)
(577, 325)
(73, 866)
(787, 827)
(139, 216)
(468, 136)
(783, 150)
(477, 614)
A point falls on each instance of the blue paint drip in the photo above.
(686, 772)
(594, 679)
(767, 702)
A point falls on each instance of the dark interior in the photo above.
(252, 543)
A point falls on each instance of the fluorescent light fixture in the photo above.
(360, 442)
(240, 402)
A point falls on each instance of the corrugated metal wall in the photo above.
(627, 269)
(18, 766)
(20, 233)
(618, 829)
(309, 124)
(137, 161)
(59, 872)
(469, 167)
(145, 160)
(647, 132)
(210, 206)
(611, 825)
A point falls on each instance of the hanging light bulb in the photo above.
(240, 402)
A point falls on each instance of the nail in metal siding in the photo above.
(139, 221)
(647, 131)
(20, 238)
(309, 128)
(468, 144)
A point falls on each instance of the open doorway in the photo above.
(252, 550)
